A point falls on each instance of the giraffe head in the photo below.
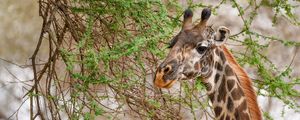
(191, 51)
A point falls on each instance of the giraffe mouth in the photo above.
(162, 82)
(186, 76)
(170, 84)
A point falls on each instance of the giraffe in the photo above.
(199, 51)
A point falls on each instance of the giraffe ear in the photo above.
(221, 35)
(187, 19)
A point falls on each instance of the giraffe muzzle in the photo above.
(161, 83)
(165, 76)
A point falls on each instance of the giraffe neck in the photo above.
(225, 91)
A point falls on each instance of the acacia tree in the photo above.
(102, 57)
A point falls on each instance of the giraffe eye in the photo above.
(201, 49)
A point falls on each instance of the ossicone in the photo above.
(188, 13)
(187, 19)
(206, 12)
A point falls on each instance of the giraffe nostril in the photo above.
(167, 69)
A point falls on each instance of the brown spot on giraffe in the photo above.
(217, 77)
(242, 106)
(235, 93)
(212, 96)
(230, 104)
(227, 117)
(218, 111)
(218, 66)
(240, 113)
(222, 90)
(228, 71)
(222, 56)
(230, 84)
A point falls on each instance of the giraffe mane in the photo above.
(246, 84)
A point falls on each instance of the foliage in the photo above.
(102, 56)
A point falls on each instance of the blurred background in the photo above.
(20, 27)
